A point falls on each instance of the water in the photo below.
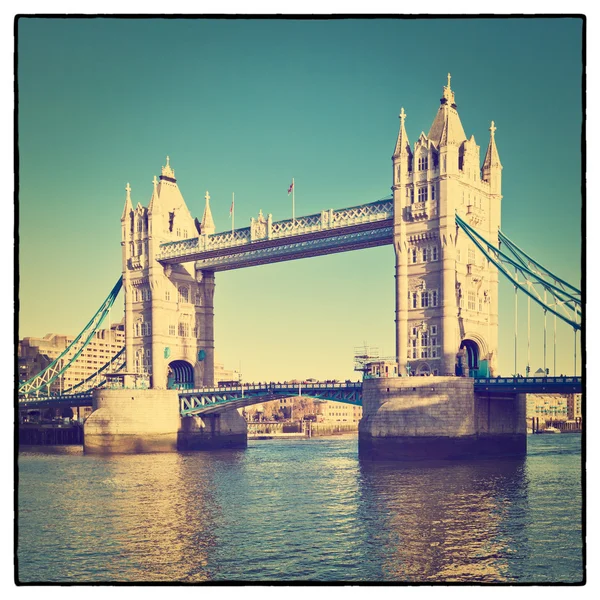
(300, 510)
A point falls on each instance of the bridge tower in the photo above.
(446, 294)
(168, 310)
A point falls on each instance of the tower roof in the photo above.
(446, 127)
(402, 144)
(208, 224)
(492, 158)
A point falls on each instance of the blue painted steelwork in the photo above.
(529, 385)
(566, 305)
(62, 363)
(98, 379)
(83, 399)
(212, 400)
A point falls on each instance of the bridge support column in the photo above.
(130, 421)
(412, 418)
(222, 430)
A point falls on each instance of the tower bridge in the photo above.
(443, 220)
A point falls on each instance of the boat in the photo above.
(550, 430)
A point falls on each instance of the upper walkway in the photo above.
(265, 241)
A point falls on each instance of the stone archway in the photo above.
(471, 349)
(180, 375)
(424, 369)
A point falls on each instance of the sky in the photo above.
(245, 105)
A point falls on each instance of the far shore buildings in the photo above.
(552, 407)
(35, 354)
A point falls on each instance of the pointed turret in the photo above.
(128, 206)
(492, 168)
(207, 225)
(402, 144)
(492, 159)
(446, 127)
(154, 204)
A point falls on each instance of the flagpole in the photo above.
(293, 202)
(232, 211)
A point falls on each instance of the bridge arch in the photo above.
(476, 350)
(180, 375)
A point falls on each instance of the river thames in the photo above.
(300, 510)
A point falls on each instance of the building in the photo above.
(35, 354)
(168, 310)
(573, 406)
(447, 293)
(338, 412)
(550, 407)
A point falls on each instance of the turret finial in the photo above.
(448, 93)
(402, 115)
(206, 196)
(155, 182)
(493, 129)
(128, 190)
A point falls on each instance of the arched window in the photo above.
(183, 294)
(140, 225)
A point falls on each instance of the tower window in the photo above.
(183, 294)
(414, 300)
(434, 298)
(423, 163)
(471, 301)
(424, 254)
(412, 195)
(480, 304)
(433, 192)
(434, 253)
(424, 300)
(422, 194)
(171, 329)
(433, 329)
(167, 294)
(414, 255)
(184, 329)
(471, 256)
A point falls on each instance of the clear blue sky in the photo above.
(245, 105)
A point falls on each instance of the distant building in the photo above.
(35, 354)
(331, 411)
(573, 406)
(548, 407)
(223, 374)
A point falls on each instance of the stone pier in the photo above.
(408, 418)
(135, 421)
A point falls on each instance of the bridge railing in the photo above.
(526, 380)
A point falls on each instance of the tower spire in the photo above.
(208, 224)
(492, 158)
(128, 206)
(402, 143)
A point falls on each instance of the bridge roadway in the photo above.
(216, 399)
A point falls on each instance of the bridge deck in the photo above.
(215, 399)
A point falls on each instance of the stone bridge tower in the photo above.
(446, 292)
(168, 310)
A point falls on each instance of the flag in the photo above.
(231, 208)
(291, 188)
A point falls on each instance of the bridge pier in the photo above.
(408, 418)
(130, 421)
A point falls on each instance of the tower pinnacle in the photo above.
(128, 206)
(402, 144)
(208, 224)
